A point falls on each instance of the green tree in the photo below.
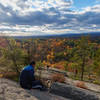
(80, 55)
(14, 55)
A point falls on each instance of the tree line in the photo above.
(80, 56)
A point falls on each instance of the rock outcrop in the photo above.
(72, 92)
(10, 90)
(47, 75)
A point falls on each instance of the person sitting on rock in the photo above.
(27, 78)
(48, 67)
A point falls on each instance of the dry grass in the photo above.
(58, 78)
(10, 75)
(81, 85)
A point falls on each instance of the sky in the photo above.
(48, 17)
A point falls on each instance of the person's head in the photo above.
(32, 63)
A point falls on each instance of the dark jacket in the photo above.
(27, 77)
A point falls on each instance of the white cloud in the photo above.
(10, 3)
(25, 7)
(37, 17)
(94, 25)
(9, 14)
(95, 8)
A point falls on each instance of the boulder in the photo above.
(10, 90)
(72, 92)
(52, 70)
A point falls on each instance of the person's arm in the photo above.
(31, 75)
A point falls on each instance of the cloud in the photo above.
(31, 17)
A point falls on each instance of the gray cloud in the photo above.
(55, 17)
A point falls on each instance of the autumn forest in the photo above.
(78, 56)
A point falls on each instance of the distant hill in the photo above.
(67, 35)
(71, 35)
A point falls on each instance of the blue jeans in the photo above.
(37, 84)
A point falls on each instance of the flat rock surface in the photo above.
(10, 90)
(90, 86)
(72, 92)
(48, 73)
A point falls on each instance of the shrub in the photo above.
(81, 85)
(96, 82)
(1, 75)
(58, 78)
(11, 75)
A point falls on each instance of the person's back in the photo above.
(27, 77)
